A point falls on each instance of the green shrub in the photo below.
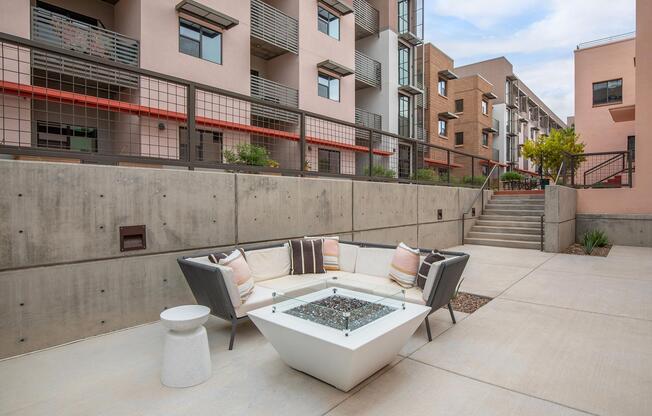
(476, 180)
(248, 154)
(380, 171)
(511, 176)
(593, 239)
(427, 175)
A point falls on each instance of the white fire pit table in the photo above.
(336, 334)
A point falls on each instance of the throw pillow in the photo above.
(306, 256)
(331, 250)
(241, 273)
(404, 266)
(215, 257)
(430, 259)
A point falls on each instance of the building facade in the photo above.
(338, 59)
(520, 114)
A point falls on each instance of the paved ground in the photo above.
(566, 335)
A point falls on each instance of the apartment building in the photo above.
(520, 114)
(300, 54)
(458, 115)
(605, 93)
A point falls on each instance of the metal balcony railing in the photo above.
(496, 125)
(276, 93)
(368, 119)
(65, 33)
(367, 71)
(275, 32)
(366, 19)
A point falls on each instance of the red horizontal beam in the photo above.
(52, 94)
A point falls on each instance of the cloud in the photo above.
(481, 13)
(553, 82)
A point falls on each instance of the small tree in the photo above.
(551, 149)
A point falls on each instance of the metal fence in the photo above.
(165, 121)
(598, 170)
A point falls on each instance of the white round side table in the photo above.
(186, 358)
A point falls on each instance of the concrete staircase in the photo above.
(509, 220)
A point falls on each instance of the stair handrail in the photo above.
(480, 191)
(561, 166)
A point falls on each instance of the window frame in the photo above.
(403, 16)
(607, 89)
(443, 82)
(334, 18)
(404, 115)
(404, 67)
(459, 138)
(439, 131)
(330, 154)
(459, 103)
(484, 107)
(329, 79)
(200, 42)
(484, 142)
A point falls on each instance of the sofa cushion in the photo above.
(331, 251)
(348, 256)
(373, 261)
(430, 261)
(269, 263)
(382, 286)
(306, 256)
(241, 273)
(227, 275)
(405, 265)
(260, 296)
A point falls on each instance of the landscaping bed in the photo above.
(468, 303)
(578, 249)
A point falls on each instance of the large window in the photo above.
(631, 147)
(442, 87)
(443, 128)
(403, 64)
(485, 107)
(328, 87)
(328, 161)
(200, 42)
(403, 16)
(328, 23)
(459, 106)
(209, 145)
(54, 135)
(459, 138)
(608, 92)
(404, 115)
(485, 139)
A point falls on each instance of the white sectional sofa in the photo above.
(364, 267)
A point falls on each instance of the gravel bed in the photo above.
(577, 249)
(468, 303)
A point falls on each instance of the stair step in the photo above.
(518, 201)
(503, 243)
(504, 236)
(520, 218)
(519, 207)
(514, 212)
(505, 229)
(521, 192)
(509, 224)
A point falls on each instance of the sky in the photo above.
(538, 37)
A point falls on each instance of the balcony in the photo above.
(367, 71)
(496, 126)
(273, 33)
(275, 93)
(368, 119)
(366, 19)
(65, 33)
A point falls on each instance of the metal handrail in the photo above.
(271, 25)
(603, 41)
(561, 166)
(477, 195)
(367, 70)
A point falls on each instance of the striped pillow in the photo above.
(404, 266)
(241, 273)
(430, 259)
(331, 250)
(306, 256)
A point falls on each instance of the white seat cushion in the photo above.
(268, 263)
(291, 284)
(348, 256)
(261, 296)
(374, 261)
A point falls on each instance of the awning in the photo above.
(512, 77)
(447, 115)
(442, 163)
(206, 13)
(410, 38)
(447, 74)
(340, 6)
(410, 89)
(340, 70)
(489, 95)
(623, 113)
(489, 130)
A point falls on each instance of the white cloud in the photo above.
(481, 13)
(552, 82)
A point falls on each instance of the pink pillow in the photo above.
(241, 273)
(405, 265)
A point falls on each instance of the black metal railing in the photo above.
(164, 121)
(597, 170)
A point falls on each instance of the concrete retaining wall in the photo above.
(63, 276)
(559, 226)
(621, 229)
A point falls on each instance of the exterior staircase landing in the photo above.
(510, 219)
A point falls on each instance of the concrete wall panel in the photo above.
(393, 236)
(440, 235)
(625, 229)
(381, 205)
(433, 198)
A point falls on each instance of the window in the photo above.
(631, 147)
(608, 92)
(442, 87)
(404, 160)
(199, 41)
(328, 87)
(403, 64)
(459, 106)
(485, 170)
(328, 161)
(459, 139)
(404, 115)
(485, 139)
(55, 135)
(328, 23)
(443, 128)
(485, 107)
(403, 16)
(209, 145)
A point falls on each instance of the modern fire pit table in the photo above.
(336, 333)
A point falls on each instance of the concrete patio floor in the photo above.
(566, 335)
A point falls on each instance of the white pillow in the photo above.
(374, 261)
(269, 263)
(348, 257)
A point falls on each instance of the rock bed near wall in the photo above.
(578, 250)
(469, 303)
